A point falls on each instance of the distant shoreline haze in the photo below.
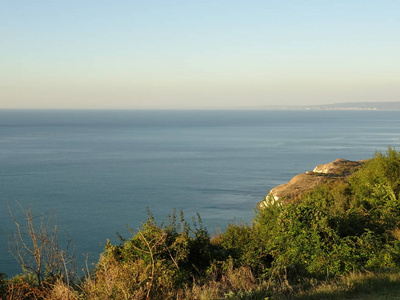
(344, 106)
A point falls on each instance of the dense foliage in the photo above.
(158, 260)
(347, 226)
(352, 225)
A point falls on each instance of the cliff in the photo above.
(293, 190)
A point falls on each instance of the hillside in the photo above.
(357, 106)
(342, 106)
(330, 173)
(330, 233)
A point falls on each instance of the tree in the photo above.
(37, 248)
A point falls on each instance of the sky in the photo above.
(148, 54)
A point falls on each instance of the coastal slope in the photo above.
(333, 172)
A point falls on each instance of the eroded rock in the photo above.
(293, 190)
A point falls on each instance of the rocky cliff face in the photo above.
(332, 172)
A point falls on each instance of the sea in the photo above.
(99, 171)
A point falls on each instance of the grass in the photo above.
(379, 285)
(239, 284)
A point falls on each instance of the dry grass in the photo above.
(356, 285)
(122, 282)
(235, 284)
(116, 281)
(395, 233)
(61, 291)
(20, 289)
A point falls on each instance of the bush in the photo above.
(156, 262)
(3, 285)
(333, 230)
(337, 229)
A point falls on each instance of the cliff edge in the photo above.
(293, 190)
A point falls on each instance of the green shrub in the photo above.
(241, 243)
(335, 229)
(3, 285)
(354, 225)
(156, 262)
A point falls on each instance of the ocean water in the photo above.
(99, 170)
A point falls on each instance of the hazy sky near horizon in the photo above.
(197, 54)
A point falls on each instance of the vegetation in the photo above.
(341, 240)
(36, 247)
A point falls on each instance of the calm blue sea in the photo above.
(99, 170)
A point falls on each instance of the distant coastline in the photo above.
(343, 106)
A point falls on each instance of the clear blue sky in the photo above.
(197, 54)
